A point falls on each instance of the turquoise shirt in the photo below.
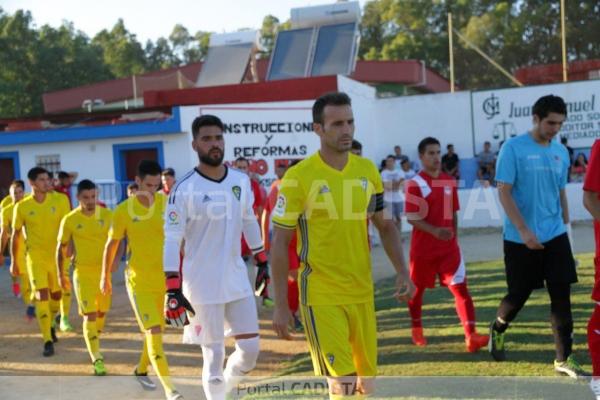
(538, 173)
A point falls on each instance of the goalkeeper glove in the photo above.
(262, 274)
(176, 304)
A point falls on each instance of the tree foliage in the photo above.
(515, 33)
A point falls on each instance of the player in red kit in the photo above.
(591, 201)
(431, 207)
(294, 261)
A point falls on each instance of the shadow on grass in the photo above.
(530, 346)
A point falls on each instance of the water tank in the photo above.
(336, 13)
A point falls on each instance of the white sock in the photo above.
(212, 371)
(240, 362)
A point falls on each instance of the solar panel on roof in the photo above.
(225, 65)
(324, 50)
(291, 54)
(334, 52)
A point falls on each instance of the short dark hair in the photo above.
(34, 172)
(563, 140)
(237, 160)
(547, 104)
(356, 145)
(148, 167)
(329, 99)
(426, 142)
(449, 145)
(85, 184)
(168, 172)
(390, 156)
(18, 183)
(63, 175)
(206, 120)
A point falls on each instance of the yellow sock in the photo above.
(159, 361)
(90, 334)
(100, 323)
(341, 397)
(42, 314)
(65, 304)
(142, 367)
(54, 307)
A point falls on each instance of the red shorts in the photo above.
(449, 268)
(294, 262)
(596, 290)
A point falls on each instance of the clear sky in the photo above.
(151, 19)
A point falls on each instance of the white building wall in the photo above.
(406, 120)
(93, 159)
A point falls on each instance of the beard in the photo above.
(206, 158)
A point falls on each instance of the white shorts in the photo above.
(213, 322)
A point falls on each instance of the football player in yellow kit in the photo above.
(87, 228)
(140, 218)
(38, 217)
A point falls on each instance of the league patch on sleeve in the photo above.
(279, 210)
(173, 218)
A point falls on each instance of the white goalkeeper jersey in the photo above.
(211, 217)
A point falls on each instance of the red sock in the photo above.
(464, 307)
(415, 306)
(293, 295)
(594, 340)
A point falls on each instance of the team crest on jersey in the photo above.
(101, 222)
(79, 226)
(447, 190)
(52, 209)
(280, 206)
(31, 213)
(135, 219)
(364, 183)
(324, 189)
(237, 192)
(206, 198)
(197, 329)
(146, 317)
(330, 358)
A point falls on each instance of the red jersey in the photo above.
(435, 200)
(592, 184)
(66, 190)
(270, 203)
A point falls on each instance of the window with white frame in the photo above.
(50, 162)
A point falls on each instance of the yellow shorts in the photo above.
(42, 274)
(148, 308)
(87, 290)
(342, 338)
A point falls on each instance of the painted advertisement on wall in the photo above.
(267, 135)
(501, 114)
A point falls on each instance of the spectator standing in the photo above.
(450, 162)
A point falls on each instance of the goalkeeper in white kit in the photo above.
(208, 210)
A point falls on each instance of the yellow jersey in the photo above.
(145, 238)
(41, 222)
(7, 201)
(6, 219)
(89, 235)
(329, 210)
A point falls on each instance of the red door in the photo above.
(133, 157)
